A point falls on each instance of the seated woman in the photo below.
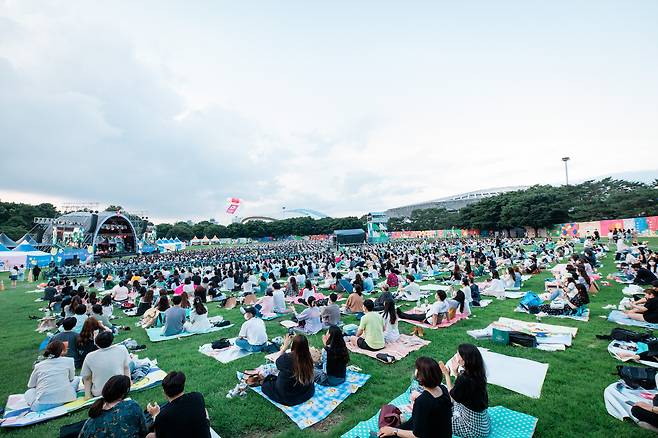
(511, 282)
(411, 292)
(198, 318)
(265, 305)
(112, 416)
(571, 305)
(354, 303)
(306, 293)
(391, 330)
(145, 300)
(496, 286)
(52, 382)
(646, 311)
(370, 335)
(469, 393)
(97, 312)
(475, 292)
(332, 369)
(436, 313)
(309, 320)
(294, 383)
(108, 308)
(85, 343)
(431, 416)
(155, 317)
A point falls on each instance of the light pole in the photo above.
(566, 168)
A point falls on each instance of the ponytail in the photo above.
(96, 408)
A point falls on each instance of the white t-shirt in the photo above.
(412, 291)
(103, 364)
(52, 379)
(247, 287)
(120, 293)
(254, 331)
(279, 301)
(435, 309)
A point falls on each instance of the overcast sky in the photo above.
(342, 107)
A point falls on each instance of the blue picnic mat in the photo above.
(505, 423)
(620, 317)
(155, 333)
(323, 402)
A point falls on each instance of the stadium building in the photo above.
(451, 203)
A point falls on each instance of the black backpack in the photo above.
(222, 343)
(622, 334)
(522, 339)
(638, 377)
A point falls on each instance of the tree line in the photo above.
(542, 206)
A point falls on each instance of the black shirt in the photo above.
(431, 416)
(644, 276)
(285, 388)
(469, 393)
(336, 367)
(651, 315)
(183, 417)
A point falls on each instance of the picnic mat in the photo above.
(400, 349)
(271, 316)
(155, 333)
(584, 317)
(617, 347)
(434, 287)
(619, 399)
(445, 323)
(516, 374)
(514, 295)
(18, 414)
(323, 402)
(483, 303)
(224, 355)
(505, 423)
(620, 317)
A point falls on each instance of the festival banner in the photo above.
(652, 221)
(629, 224)
(569, 229)
(641, 226)
(587, 228)
(611, 225)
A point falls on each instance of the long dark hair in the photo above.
(199, 308)
(473, 363)
(114, 389)
(336, 348)
(302, 362)
(54, 349)
(89, 327)
(389, 311)
(582, 291)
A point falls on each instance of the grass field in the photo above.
(571, 403)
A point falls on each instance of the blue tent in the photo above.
(24, 247)
(27, 238)
(3, 248)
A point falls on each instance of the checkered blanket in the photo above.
(323, 402)
(505, 423)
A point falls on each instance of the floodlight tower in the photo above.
(566, 168)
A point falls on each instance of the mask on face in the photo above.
(246, 318)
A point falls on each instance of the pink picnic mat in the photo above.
(444, 323)
(400, 349)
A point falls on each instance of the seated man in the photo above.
(68, 337)
(411, 292)
(253, 336)
(436, 313)
(109, 360)
(120, 292)
(370, 335)
(647, 311)
(331, 312)
(182, 415)
(174, 318)
(368, 284)
(386, 295)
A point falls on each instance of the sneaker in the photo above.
(234, 392)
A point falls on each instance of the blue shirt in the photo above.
(368, 284)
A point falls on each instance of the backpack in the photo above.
(389, 416)
(221, 343)
(522, 339)
(637, 377)
(530, 299)
(622, 334)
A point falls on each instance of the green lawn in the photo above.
(571, 403)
